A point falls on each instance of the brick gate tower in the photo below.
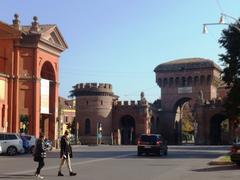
(29, 65)
(93, 109)
(184, 80)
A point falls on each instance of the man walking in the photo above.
(39, 155)
(65, 154)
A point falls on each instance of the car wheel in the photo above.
(11, 151)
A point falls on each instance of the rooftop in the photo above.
(186, 64)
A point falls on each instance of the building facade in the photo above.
(195, 81)
(98, 112)
(66, 115)
(29, 82)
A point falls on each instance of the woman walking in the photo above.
(39, 155)
(65, 154)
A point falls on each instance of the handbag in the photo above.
(43, 154)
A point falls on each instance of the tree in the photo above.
(230, 40)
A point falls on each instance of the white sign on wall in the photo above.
(45, 96)
(183, 90)
(2, 89)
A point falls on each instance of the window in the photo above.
(87, 102)
(101, 102)
(183, 81)
(177, 81)
(10, 137)
(196, 80)
(189, 81)
(87, 126)
(202, 80)
(1, 137)
(171, 82)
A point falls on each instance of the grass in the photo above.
(222, 160)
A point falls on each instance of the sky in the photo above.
(121, 41)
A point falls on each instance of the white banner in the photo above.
(2, 89)
(183, 90)
(45, 96)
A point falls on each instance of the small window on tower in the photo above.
(101, 102)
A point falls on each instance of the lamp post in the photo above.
(236, 26)
(222, 22)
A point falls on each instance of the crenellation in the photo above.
(101, 86)
(125, 103)
(133, 103)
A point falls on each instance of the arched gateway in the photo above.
(194, 81)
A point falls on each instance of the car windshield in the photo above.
(149, 138)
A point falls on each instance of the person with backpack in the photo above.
(39, 155)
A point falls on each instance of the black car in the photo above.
(152, 143)
(235, 153)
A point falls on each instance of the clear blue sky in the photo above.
(122, 41)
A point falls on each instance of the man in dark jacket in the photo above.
(39, 154)
(65, 154)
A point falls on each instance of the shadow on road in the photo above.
(172, 154)
(17, 176)
(217, 168)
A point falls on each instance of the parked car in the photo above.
(152, 143)
(48, 144)
(11, 143)
(235, 153)
(28, 142)
(0, 148)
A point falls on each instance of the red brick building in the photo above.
(29, 66)
(196, 81)
(121, 122)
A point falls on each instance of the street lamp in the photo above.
(222, 22)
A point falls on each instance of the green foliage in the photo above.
(24, 124)
(230, 40)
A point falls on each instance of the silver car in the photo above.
(11, 143)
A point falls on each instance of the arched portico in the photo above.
(127, 127)
(48, 99)
(183, 121)
(218, 129)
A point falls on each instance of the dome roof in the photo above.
(186, 64)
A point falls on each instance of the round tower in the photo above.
(94, 112)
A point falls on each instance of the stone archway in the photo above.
(219, 129)
(183, 121)
(127, 126)
(48, 100)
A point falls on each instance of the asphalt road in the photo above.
(121, 162)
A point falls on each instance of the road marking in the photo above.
(73, 164)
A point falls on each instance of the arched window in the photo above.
(160, 82)
(189, 81)
(165, 82)
(209, 78)
(177, 81)
(170, 82)
(87, 127)
(183, 81)
(196, 80)
(202, 79)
